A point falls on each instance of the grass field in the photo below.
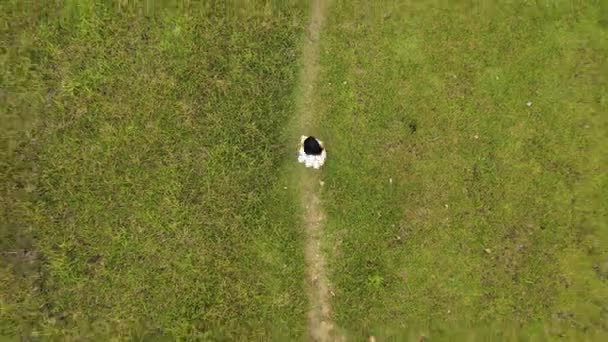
(147, 180)
(140, 171)
(467, 187)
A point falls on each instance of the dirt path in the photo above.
(321, 327)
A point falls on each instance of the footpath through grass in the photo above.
(466, 189)
(139, 171)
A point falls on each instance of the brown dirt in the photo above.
(320, 323)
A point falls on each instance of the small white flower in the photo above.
(529, 103)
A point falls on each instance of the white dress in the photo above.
(311, 160)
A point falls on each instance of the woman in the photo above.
(312, 153)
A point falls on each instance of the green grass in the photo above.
(495, 223)
(141, 192)
(144, 161)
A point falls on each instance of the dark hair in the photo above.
(312, 146)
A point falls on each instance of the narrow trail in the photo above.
(320, 324)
